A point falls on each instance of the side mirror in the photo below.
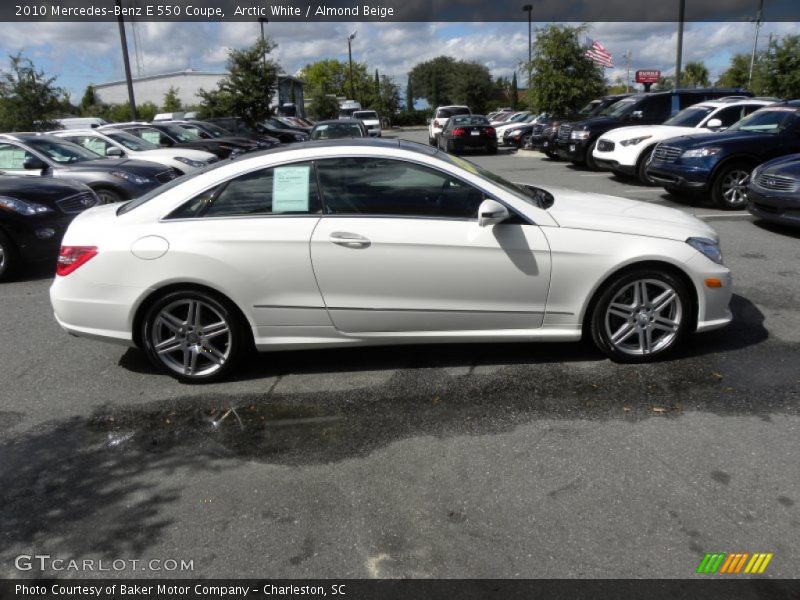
(637, 114)
(714, 124)
(34, 163)
(491, 212)
(113, 151)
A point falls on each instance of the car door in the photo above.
(250, 234)
(399, 249)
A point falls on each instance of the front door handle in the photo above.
(349, 240)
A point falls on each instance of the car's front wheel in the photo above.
(194, 336)
(729, 190)
(641, 316)
(8, 256)
(641, 168)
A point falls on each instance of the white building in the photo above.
(153, 88)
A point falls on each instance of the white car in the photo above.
(371, 121)
(516, 117)
(627, 150)
(368, 242)
(118, 143)
(440, 117)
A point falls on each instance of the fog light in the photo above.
(713, 282)
(45, 233)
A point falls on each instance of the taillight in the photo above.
(459, 131)
(490, 131)
(72, 257)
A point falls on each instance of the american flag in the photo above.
(599, 55)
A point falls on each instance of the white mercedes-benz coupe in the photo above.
(359, 242)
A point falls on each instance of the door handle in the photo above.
(349, 240)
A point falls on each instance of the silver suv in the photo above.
(440, 117)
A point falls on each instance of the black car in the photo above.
(519, 134)
(286, 123)
(212, 131)
(773, 193)
(577, 139)
(339, 128)
(468, 132)
(112, 179)
(721, 163)
(237, 126)
(170, 135)
(544, 134)
(34, 214)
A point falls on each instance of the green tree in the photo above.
(472, 85)
(323, 106)
(695, 75)
(331, 76)
(781, 68)
(514, 91)
(29, 99)
(409, 94)
(171, 101)
(88, 102)
(249, 87)
(562, 76)
(390, 96)
(115, 113)
(737, 73)
(434, 79)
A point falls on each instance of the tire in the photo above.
(641, 167)
(432, 141)
(729, 189)
(628, 326)
(207, 344)
(589, 160)
(9, 257)
(491, 150)
(108, 196)
(675, 191)
(551, 155)
(525, 142)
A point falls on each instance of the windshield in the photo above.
(618, 108)
(765, 121)
(690, 117)
(62, 151)
(215, 130)
(179, 133)
(589, 108)
(369, 115)
(530, 194)
(131, 142)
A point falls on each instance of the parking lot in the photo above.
(506, 460)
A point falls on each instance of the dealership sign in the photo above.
(647, 76)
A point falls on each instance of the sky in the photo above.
(80, 54)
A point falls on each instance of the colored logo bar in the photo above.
(734, 563)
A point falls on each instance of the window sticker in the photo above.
(290, 189)
(12, 159)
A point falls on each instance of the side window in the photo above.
(656, 108)
(288, 189)
(95, 144)
(751, 108)
(378, 186)
(729, 115)
(154, 136)
(12, 157)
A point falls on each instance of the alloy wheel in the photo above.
(734, 187)
(191, 337)
(644, 317)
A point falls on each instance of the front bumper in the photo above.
(613, 165)
(713, 303)
(573, 150)
(778, 208)
(680, 176)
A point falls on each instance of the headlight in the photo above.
(131, 177)
(636, 140)
(188, 161)
(579, 135)
(701, 152)
(707, 247)
(24, 207)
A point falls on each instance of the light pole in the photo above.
(529, 8)
(755, 43)
(679, 57)
(350, 58)
(126, 62)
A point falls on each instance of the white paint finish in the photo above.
(150, 247)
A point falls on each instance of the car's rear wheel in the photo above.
(194, 336)
(8, 257)
(641, 167)
(729, 190)
(432, 141)
(641, 316)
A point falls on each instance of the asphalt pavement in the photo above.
(489, 460)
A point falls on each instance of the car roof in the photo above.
(27, 136)
(732, 101)
(84, 131)
(343, 121)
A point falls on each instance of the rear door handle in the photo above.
(349, 240)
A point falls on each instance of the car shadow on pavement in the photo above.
(35, 272)
(778, 228)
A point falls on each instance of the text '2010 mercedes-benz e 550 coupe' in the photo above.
(366, 242)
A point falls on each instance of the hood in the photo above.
(170, 153)
(656, 132)
(787, 166)
(45, 190)
(695, 140)
(597, 212)
(140, 167)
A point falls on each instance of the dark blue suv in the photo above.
(721, 163)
